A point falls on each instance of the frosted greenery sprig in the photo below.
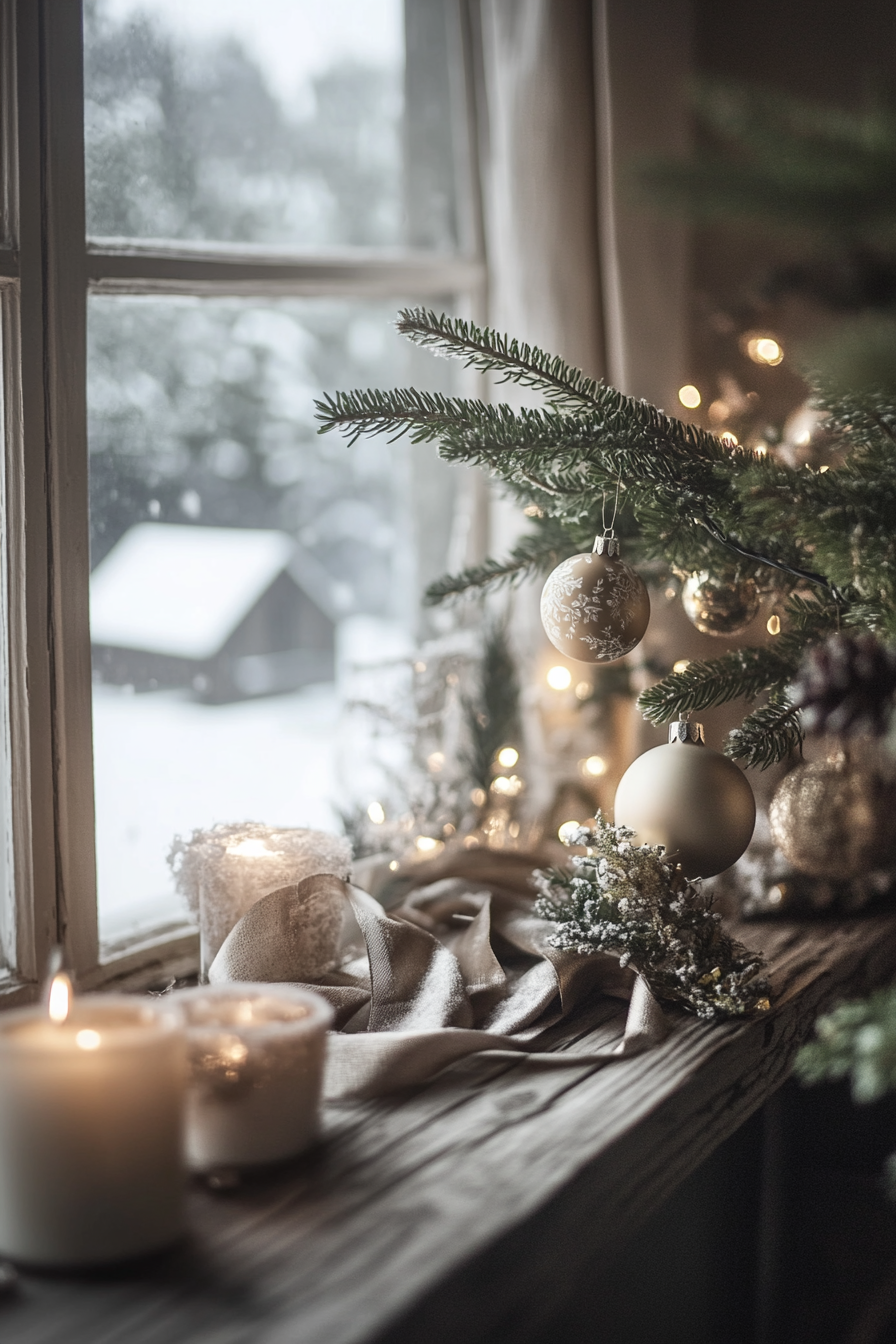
(626, 899)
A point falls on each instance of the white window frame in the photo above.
(47, 270)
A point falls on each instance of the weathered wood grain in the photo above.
(462, 1210)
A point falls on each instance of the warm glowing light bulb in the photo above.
(393, 866)
(689, 396)
(426, 844)
(435, 760)
(508, 757)
(249, 849)
(682, 665)
(594, 766)
(87, 1039)
(559, 678)
(718, 411)
(377, 813)
(764, 350)
(729, 438)
(478, 797)
(59, 1000)
(567, 831)
(583, 690)
(773, 625)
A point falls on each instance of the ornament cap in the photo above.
(605, 546)
(682, 730)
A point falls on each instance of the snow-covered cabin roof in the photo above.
(184, 590)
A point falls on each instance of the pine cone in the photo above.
(845, 685)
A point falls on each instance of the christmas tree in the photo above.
(691, 502)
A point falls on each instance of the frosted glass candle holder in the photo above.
(256, 1060)
(223, 871)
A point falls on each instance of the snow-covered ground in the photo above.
(166, 765)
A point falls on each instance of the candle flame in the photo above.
(59, 1000)
(250, 849)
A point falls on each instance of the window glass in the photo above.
(275, 122)
(246, 571)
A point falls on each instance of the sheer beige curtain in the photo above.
(572, 92)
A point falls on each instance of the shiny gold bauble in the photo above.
(720, 606)
(691, 799)
(594, 607)
(836, 818)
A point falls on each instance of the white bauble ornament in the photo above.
(691, 799)
(594, 607)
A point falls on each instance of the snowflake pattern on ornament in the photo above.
(610, 603)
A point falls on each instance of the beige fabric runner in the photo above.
(460, 968)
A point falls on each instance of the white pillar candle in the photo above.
(256, 1058)
(91, 1111)
(223, 871)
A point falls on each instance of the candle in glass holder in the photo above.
(223, 871)
(256, 1058)
(91, 1120)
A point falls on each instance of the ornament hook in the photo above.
(607, 542)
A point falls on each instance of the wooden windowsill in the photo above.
(393, 1229)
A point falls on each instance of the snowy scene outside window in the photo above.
(250, 580)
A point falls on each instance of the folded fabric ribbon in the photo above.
(461, 967)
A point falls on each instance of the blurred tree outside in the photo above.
(200, 410)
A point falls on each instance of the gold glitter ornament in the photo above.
(595, 608)
(722, 607)
(836, 818)
(691, 799)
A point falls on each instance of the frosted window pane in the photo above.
(274, 122)
(243, 567)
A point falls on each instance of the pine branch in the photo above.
(536, 553)
(741, 673)
(489, 352)
(423, 415)
(856, 1040)
(493, 714)
(766, 736)
(797, 164)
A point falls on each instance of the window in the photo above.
(201, 576)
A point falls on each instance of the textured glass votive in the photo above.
(256, 1059)
(223, 871)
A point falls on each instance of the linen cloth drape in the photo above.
(462, 967)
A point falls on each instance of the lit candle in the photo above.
(91, 1111)
(223, 871)
(256, 1057)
